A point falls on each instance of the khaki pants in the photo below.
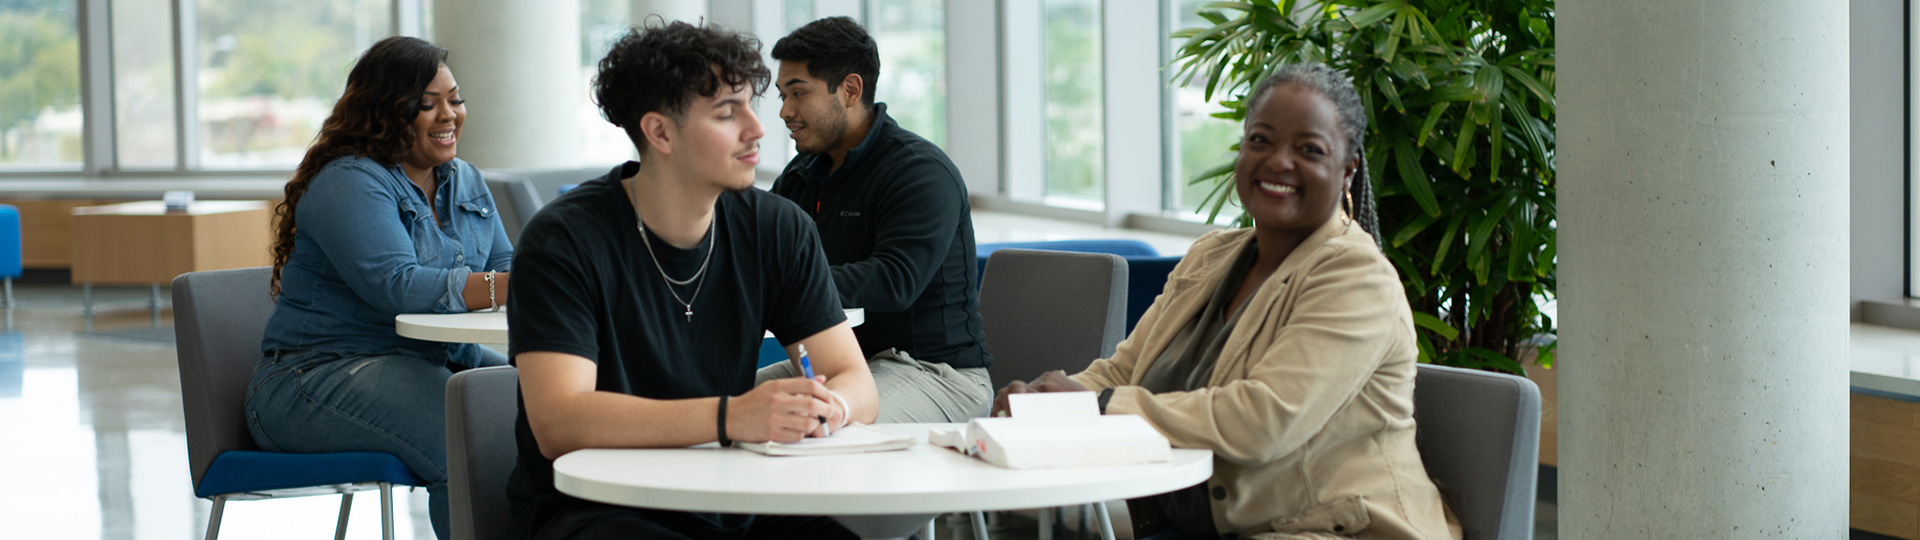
(913, 390)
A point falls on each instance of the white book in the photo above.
(853, 439)
(1098, 441)
(1055, 430)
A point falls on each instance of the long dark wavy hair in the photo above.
(373, 119)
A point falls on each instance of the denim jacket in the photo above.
(366, 248)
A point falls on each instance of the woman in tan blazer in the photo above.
(1287, 349)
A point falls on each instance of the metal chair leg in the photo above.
(980, 526)
(346, 506)
(1106, 520)
(386, 511)
(213, 521)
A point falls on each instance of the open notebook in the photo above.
(853, 439)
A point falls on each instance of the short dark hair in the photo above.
(832, 48)
(659, 67)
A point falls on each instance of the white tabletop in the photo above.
(491, 327)
(923, 479)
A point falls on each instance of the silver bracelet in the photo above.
(491, 298)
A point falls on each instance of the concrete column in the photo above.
(1703, 269)
(519, 65)
(691, 11)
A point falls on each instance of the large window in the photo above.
(1075, 134)
(269, 71)
(40, 85)
(913, 76)
(144, 97)
(601, 23)
(1198, 140)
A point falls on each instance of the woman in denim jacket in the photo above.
(380, 219)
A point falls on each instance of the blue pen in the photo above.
(806, 367)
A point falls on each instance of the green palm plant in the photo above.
(1459, 95)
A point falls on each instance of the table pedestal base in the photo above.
(885, 527)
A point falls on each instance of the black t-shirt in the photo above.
(583, 284)
(898, 230)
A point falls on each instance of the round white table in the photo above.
(491, 327)
(876, 495)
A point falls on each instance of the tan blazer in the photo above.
(1309, 412)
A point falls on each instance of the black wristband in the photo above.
(720, 424)
(1105, 396)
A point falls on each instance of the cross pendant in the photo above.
(689, 313)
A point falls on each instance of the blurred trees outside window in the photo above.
(270, 71)
(40, 118)
(912, 38)
(1075, 130)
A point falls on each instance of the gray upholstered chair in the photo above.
(514, 197)
(482, 405)
(1044, 310)
(219, 318)
(1480, 439)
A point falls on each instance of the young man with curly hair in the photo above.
(641, 297)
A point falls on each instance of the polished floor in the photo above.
(94, 444)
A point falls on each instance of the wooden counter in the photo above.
(141, 243)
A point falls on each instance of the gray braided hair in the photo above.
(1338, 89)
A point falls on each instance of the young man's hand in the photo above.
(782, 410)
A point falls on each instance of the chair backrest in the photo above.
(219, 318)
(482, 405)
(1480, 439)
(516, 200)
(1048, 310)
(10, 254)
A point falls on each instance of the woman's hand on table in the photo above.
(1052, 381)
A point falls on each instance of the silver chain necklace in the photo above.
(698, 275)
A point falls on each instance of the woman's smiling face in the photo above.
(1294, 161)
(436, 129)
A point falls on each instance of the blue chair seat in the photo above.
(255, 472)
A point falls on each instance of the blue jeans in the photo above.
(314, 402)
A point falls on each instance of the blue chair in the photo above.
(219, 318)
(1146, 278)
(10, 266)
(1121, 247)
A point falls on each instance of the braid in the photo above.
(1364, 205)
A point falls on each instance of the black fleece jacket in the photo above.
(898, 231)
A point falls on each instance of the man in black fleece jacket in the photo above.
(894, 220)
